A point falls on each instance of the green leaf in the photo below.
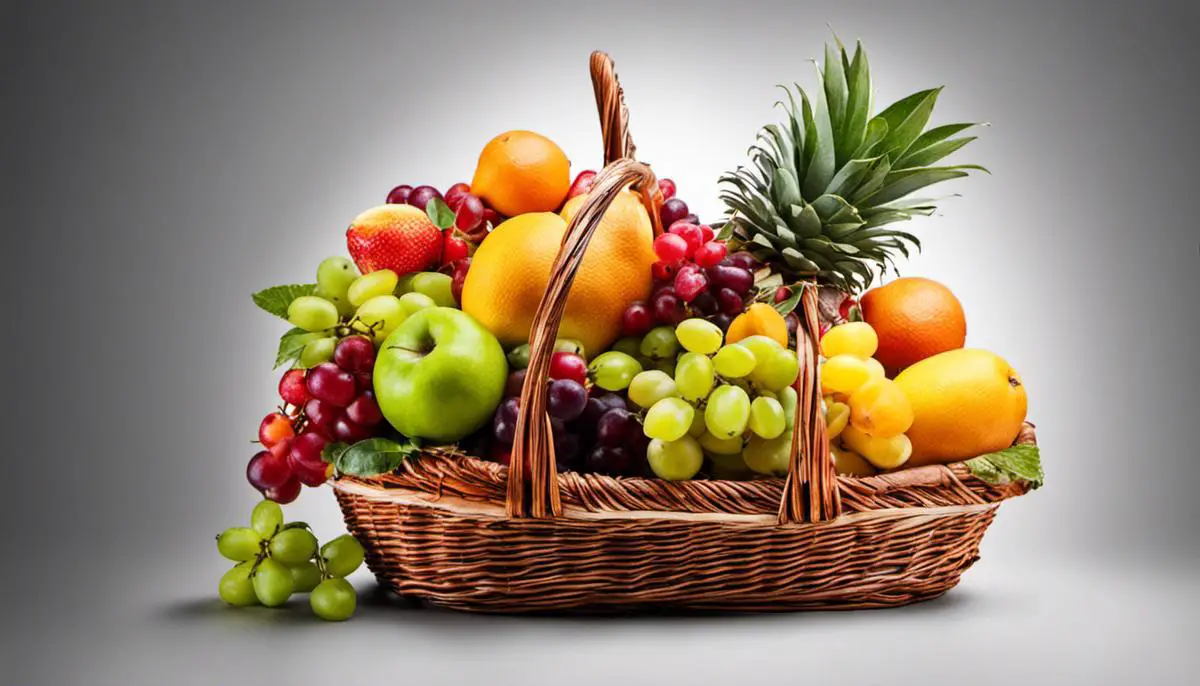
(374, 456)
(877, 130)
(849, 176)
(926, 156)
(836, 91)
(788, 306)
(333, 451)
(291, 343)
(820, 164)
(858, 106)
(276, 299)
(1018, 463)
(785, 190)
(804, 221)
(906, 119)
(901, 183)
(440, 213)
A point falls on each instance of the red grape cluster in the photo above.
(693, 277)
(592, 431)
(333, 401)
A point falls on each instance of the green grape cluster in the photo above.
(732, 403)
(276, 559)
(347, 302)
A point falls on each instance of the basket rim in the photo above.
(448, 475)
(492, 511)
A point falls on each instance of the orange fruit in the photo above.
(520, 172)
(965, 403)
(758, 319)
(915, 318)
(510, 270)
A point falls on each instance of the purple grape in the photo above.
(355, 354)
(737, 279)
(421, 195)
(722, 321)
(706, 304)
(608, 459)
(512, 387)
(399, 194)
(598, 405)
(566, 449)
(672, 211)
(566, 399)
(744, 259)
(616, 426)
(504, 424)
(729, 302)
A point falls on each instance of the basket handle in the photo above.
(810, 493)
(534, 441)
(614, 115)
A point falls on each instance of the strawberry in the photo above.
(396, 237)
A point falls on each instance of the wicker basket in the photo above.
(475, 535)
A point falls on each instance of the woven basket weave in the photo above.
(475, 535)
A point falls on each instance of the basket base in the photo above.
(454, 556)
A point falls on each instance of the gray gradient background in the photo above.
(164, 160)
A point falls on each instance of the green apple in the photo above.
(440, 375)
(436, 286)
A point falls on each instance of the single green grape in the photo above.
(404, 285)
(699, 336)
(334, 276)
(367, 286)
(342, 555)
(312, 313)
(665, 365)
(677, 460)
(382, 314)
(305, 576)
(668, 420)
(769, 455)
(761, 346)
(570, 345)
(272, 583)
(236, 587)
(698, 428)
(341, 302)
(630, 345)
(767, 419)
(414, 302)
(333, 600)
(651, 386)
(721, 446)
(660, 343)
(734, 361)
(694, 375)
(293, 546)
(788, 400)
(518, 357)
(239, 543)
(266, 518)
(437, 286)
(727, 412)
(317, 351)
(613, 370)
(777, 371)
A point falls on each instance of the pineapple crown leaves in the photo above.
(822, 184)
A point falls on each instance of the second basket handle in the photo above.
(810, 493)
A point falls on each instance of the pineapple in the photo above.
(826, 183)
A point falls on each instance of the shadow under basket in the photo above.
(475, 535)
